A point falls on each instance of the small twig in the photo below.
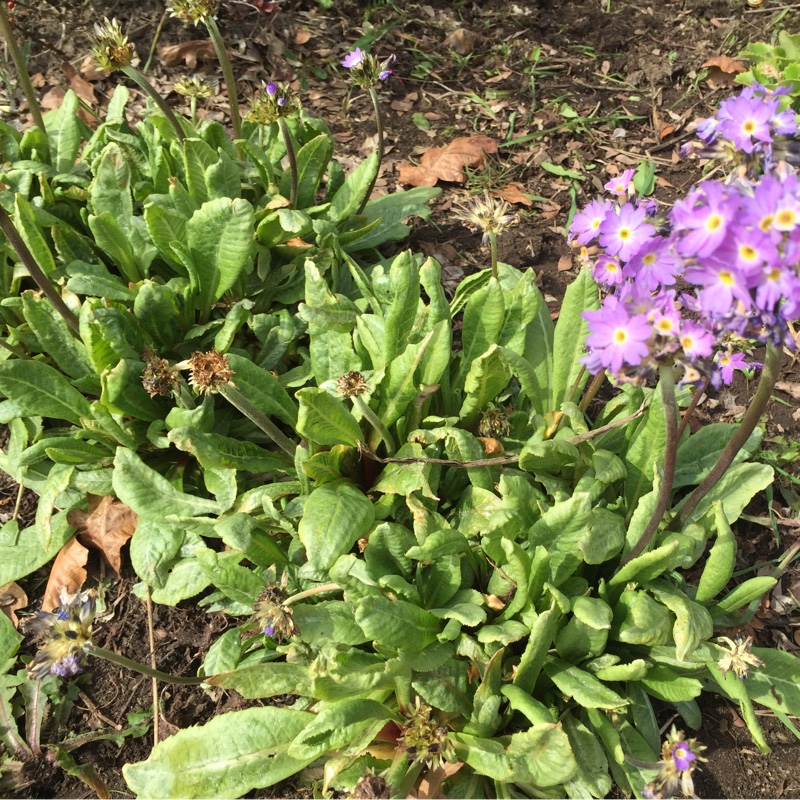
(20, 493)
(95, 711)
(687, 415)
(154, 680)
(500, 461)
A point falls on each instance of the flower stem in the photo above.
(22, 69)
(326, 587)
(35, 271)
(144, 84)
(667, 381)
(594, 388)
(116, 658)
(257, 416)
(227, 71)
(287, 140)
(373, 419)
(758, 405)
(373, 95)
(493, 247)
(687, 415)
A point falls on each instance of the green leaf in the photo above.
(214, 451)
(646, 448)
(580, 685)
(721, 561)
(487, 377)
(31, 234)
(399, 317)
(592, 776)
(483, 321)
(233, 580)
(219, 237)
(32, 548)
(743, 594)
(542, 755)
(391, 210)
(226, 758)
(649, 565)
(396, 624)
(775, 685)
(152, 548)
(335, 516)
(186, 579)
(150, 494)
(735, 489)
(262, 389)
(166, 225)
(64, 132)
(399, 387)
(9, 643)
(325, 420)
(111, 188)
(336, 726)
(257, 681)
(39, 390)
(699, 452)
(692, 621)
(664, 683)
(112, 238)
(350, 194)
(312, 161)
(330, 620)
(569, 336)
(638, 619)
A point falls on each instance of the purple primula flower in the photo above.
(384, 74)
(353, 59)
(654, 264)
(682, 756)
(586, 223)
(271, 89)
(615, 338)
(607, 271)
(666, 321)
(727, 362)
(776, 283)
(704, 215)
(624, 233)
(745, 121)
(723, 284)
(696, 341)
(621, 184)
(269, 630)
(707, 129)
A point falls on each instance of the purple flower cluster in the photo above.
(733, 247)
(366, 69)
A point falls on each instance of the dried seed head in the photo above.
(488, 215)
(193, 87)
(111, 48)
(157, 377)
(494, 423)
(66, 636)
(352, 384)
(193, 11)
(209, 372)
(740, 659)
(274, 618)
(370, 787)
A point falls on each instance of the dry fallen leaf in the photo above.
(491, 447)
(66, 573)
(461, 41)
(792, 389)
(108, 527)
(565, 262)
(187, 52)
(722, 71)
(448, 163)
(431, 785)
(12, 598)
(302, 36)
(512, 193)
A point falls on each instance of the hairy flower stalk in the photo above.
(367, 72)
(114, 53)
(353, 385)
(258, 417)
(35, 271)
(290, 154)
(667, 382)
(227, 71)
(22, 68)
(769, 375)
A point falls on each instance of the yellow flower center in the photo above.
(664, 325)
(785, 217)
(620, 335)
(766, 222)
(687, 342)
(748, 253)
(726, 278)
(749, 126)
(649, 259)
(624, 233)
(713, 222)
(773, 274)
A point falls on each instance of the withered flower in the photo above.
(494, 423)
(275, 618)
(193, 11)
(193, 87)
(488, 215)
(679, 759)
(740, 659)
(352, 384)
(209, 372)
(111, 49)
(66, 636)
(157, 377)
(423, 738)
(370, 787)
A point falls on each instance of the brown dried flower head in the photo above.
(157, 377)
(370, 787)
(739, 659)
(111, 49)
(352, 384)
(423, 738)
(488, 215)
(273, 617)
(209, 372)
(494, 423)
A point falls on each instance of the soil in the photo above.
(565, 84)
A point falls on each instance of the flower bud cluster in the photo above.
(272, 102)
(365, 68)
(111, 49)
(733, 245)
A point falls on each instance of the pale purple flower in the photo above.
(654, 264)
(353, 59)
(624, 233)
(696, 341)
(271, 89)
(607, 271)
(723, 284)
(682, 756)
(727, 362)
(621, 184)
(384, 74)
(586, 223)
(615, 338)
(745, 121)
(704, 215)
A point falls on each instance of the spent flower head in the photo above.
(273, 617)
(65, 636)
(423, 738)
(352, 384)
(740, 659)
(680, 757)
(111, 48)
(488, 215)
(365, 68)
(193, 87)
(272, 102)
(158, 378)
(193, 11)
(208, 372)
